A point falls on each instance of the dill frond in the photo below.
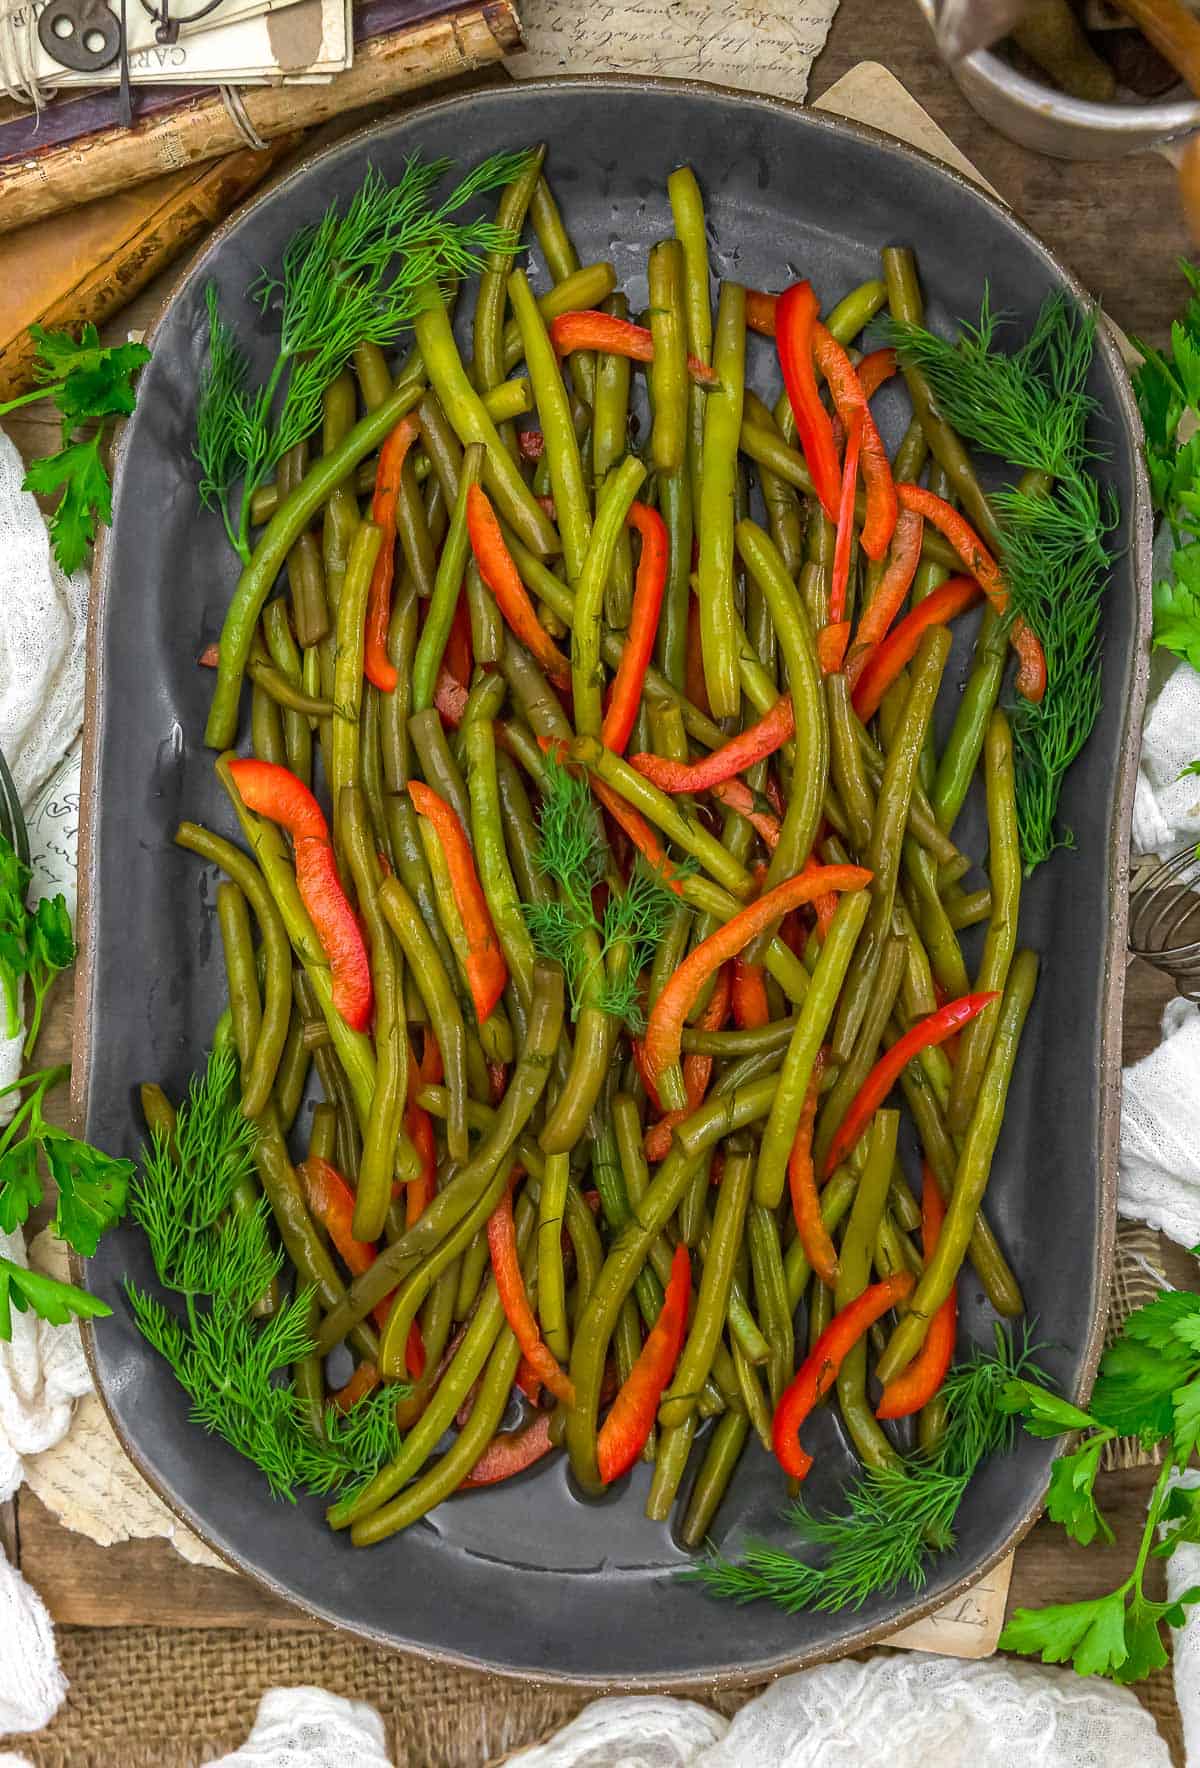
(896, 1518)
(220, 1260)
(568, 852)
(1031, 407)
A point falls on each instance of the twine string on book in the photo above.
(231, 98)
(19, 56)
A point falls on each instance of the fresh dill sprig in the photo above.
(352, 278)
(220, 1259)
(1031, 407)
(602, 957)
(897, 1518)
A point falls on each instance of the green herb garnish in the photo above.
(92, 1186)
(91, 384)
(1030, 406)
(220, 1261)
(602, 958)
(1148, 1387)
(351, 279)
(897, 1518)
(35, 943)
(1168, 394)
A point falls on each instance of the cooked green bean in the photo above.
(469, 416)
(891, 815)
(771, 1293)
(668, 374)
(610, 443)
(1004, 866)
(374, 1189)
(715, 510)
(266, 728)
(297, 732)
(973, 1172)
(447, 585)
(561, 448)
(306, 576)
(492, 294)
(812, 1023)
(426, 966)
(591, 577)
(854, 1273)
(348, 670)
(687, 209)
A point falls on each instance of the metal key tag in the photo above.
(80, 34)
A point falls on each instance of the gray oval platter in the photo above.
(524, 1579)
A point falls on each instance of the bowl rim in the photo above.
(1176, 117)
(1140, 518)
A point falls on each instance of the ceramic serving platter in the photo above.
(526, 1579)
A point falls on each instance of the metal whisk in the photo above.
(1164, 903)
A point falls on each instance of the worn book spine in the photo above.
(90, 263)
(38, 186)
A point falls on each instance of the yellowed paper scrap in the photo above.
(969, 1626)
(759, 45)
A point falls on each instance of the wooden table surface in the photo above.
(1117, 226)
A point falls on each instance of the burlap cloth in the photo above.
(150, 1697)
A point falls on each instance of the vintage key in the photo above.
(81, 34)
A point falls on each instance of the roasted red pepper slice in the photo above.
(934, 1029)
(802, 1182)
(979, 563)
(498, 570)
(588, 330)
(271, 791)
(845, 525)
(631, 1418)
(630, 678)
(915, 1386)
(510, 1286)
(665, 1027)
(487, 972)
(377, 665)
(697, 1071)
(889, 596)
(761, 314)
(773, 730)
(751, 1007)
(897, 650)
(738, 796)
(511, 1452)
(331, 1201)
(850, 398)
(819, 1370)
(796, 313)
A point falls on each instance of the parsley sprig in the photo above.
(91, 384)
(897, 1518)
(92, 1186)
(1149, 1387)
(602, 956)
(219, 1260)
(35, 943)
(1168, 394)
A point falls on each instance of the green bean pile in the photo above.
(557, 1105)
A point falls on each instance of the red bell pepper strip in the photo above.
(487, 972)
(751, 1007)
(499, 571)
(665, 1026)
(588, 330)
(364, 1381)
(419, 1192)
(511, 1452)
(531, 444)
(934, 1029)
(915, 1386)
(631, 1418)
(773, 730)
(377, 665)
(210, 656)
(736, 794)
(819, 1370)
(510, 1286)
(331, 1201)
(802, 1183)
(273, 792)
(639, 831)
(528, 1381)
(889, 595)
(761, 312)
(831, 646)
(825, 905)
(450, 697)
(697, 1071)
(643, 625)
(850, 399)
(795, 322)
(979, 563)
(897, 650)
(845, 523)
(876, 369)
(457, 655)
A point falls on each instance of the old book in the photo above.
(38, 185)
(89, 263)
